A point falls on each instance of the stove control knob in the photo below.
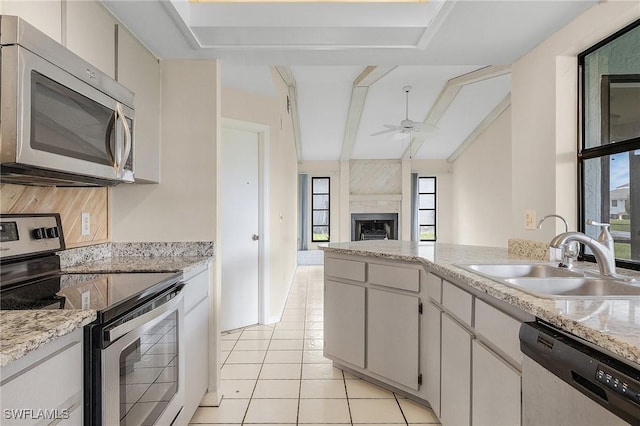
(53, 232)
(40, 233)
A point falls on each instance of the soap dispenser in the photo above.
(605, 237)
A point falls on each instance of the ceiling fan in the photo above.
(406, 125)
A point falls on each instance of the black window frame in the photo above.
(434, 209)
(602, 151)
(328, 209)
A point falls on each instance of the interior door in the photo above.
(240, 210)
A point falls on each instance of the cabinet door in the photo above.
(496, 390)
(393, 336)
(48, 378)
(455, 397)
(91, 34)
(432, 368)
(45, 15)
(139, 71)
(196, 325)
(344, 322)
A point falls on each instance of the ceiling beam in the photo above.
(287, 76)
(484, 124)
(361, 84)
(446, 97)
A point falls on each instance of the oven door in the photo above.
(54, 120)
(143, 368)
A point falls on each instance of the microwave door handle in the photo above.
(110, 129)
(119, 142)
(127, 138)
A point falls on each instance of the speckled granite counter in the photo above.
(612, 324)
(22, 332)
(139, 264)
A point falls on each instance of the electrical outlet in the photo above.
(529, 219)
(86, 223)
(86, 300)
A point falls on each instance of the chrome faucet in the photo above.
(570, 250)
(605, 257)
(566, 225)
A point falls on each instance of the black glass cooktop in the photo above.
(109, 294)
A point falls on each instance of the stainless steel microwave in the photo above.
(62, 121)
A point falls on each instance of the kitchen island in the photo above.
(616, 332)
(406, 316)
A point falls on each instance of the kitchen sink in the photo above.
(550, 281)
(521, 270)
(572, 287)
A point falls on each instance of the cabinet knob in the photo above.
(255, 237)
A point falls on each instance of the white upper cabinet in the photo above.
(139, 71)
(91, 34)
(44, 15)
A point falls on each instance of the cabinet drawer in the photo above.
(395, 277)
(51, 382)
(499, 329)
(434, 287)
(457, 301)
(346, 269)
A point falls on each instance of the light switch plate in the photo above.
(529, 219)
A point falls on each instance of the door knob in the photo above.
(255, 237)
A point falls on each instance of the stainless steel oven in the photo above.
(142, 364)
(133, 351)
(63, 121)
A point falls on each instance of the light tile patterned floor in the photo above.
(276, 374)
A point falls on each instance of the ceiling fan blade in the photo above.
(424, 127)
(382, 132)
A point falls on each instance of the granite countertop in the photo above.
(123, 264)
(22, 332)
(612, 324)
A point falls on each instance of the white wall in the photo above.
(544, 117)
(183, 206)
(281, 187)
(481, 187)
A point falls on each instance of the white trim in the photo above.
(263, 132)
(446, 97)
(277, 318)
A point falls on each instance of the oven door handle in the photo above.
(119, 331)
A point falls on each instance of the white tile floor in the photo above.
(276, 374)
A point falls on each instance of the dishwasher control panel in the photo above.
(619, 383)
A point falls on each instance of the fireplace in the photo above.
(374, 226)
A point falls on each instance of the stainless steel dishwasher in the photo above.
(566, 382)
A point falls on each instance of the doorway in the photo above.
(241, 239)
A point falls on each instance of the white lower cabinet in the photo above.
(196, 326)
(432, 368)
(473, 359)
(392, 327)
(496, 389)
(45, 387)
(344, 316)
(455, 393)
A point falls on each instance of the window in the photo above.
(320, 209)
(609, 151)
(427, 208)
